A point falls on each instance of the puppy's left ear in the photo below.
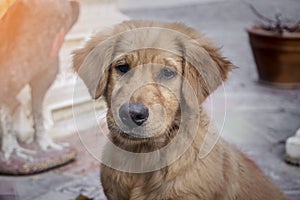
(92, 63)
(204, 70)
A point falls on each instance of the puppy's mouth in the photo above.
(132, 136)
(139, 132)
(156, 133)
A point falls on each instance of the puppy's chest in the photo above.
(142, 181)
(141, 186)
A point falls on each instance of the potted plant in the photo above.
(275, 45)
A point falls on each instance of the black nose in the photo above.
(133, 114)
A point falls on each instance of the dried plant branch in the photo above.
(259, 15)
(278, 24)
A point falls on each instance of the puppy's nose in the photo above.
(133, 114)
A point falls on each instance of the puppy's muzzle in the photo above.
(133, 114)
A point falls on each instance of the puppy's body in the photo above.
(173, 65)
(225, 173)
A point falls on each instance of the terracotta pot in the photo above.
(277, 56)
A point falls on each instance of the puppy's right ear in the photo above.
(92, 63)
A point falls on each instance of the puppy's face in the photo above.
(143, 93)
(148, 72)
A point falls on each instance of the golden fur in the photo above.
(225, 173)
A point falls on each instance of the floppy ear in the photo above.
(204, 70)
(92, 63)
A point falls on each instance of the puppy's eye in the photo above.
(167, 73)
(123, 68)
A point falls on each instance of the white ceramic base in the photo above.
(292, 147)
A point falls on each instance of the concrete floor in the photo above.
(258, 118)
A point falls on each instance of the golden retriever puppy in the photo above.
(154, 77)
